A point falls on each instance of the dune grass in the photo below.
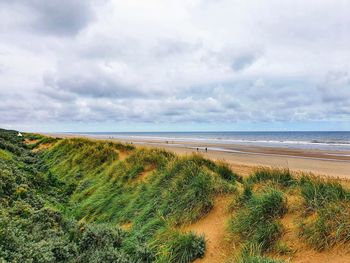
(101, 201)
(177, 191)
(179, 247)
(257, 212)
(323, 215)
(282, 177)
(257, 222)
(326, 221)
(251, 253)
(181, 190)
(73, 197)
(319, 192)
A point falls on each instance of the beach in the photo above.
(245, 158)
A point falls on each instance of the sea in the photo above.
(318, 140)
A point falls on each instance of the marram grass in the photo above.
(110, 189)
(99, 201)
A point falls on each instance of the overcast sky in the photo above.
(131, 65)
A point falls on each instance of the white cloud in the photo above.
(174, 61)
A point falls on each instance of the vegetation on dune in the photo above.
(177, 191)
(257, 221)
(31, 228)
(282, 177)
(99, 201)
(179, 247)
(257, 212)
(70, 202)
(319, 193)
(4, 154)
(326, 220)
(251, 253)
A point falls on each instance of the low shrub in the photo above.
(5, 155)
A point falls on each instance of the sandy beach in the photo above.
(244, 159)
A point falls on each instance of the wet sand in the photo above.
(245, 158)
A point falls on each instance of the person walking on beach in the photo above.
(206, 149)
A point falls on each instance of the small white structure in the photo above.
(19, 134)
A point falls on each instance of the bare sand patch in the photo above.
(213, 226)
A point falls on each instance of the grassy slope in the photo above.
(320, 210)
(151, 190)
(143, 197)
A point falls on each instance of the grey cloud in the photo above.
(99, 84)
(236, 57)
(51, 90)
(95, 87)
(58, 17)
(170, 47)
(335, 87)
(243, 61)
(109, 47)
(57, 94)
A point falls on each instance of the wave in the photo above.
(227, 140)
(332, 142)
(307, 140)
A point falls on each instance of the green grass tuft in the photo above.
(318, 192)
(282, 177)
(328, 227)
(257, 221)
(251, 253)
(181, 248)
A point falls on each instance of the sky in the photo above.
(174, 65)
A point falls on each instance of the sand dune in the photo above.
(245, 158)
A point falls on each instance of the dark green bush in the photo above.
(100, 235)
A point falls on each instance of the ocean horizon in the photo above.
(323, 140)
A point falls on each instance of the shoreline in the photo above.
(246, 158)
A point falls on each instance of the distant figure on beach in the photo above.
(206, 149)
(197, 149)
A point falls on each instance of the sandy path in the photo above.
(213, 226)
(304, 253)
